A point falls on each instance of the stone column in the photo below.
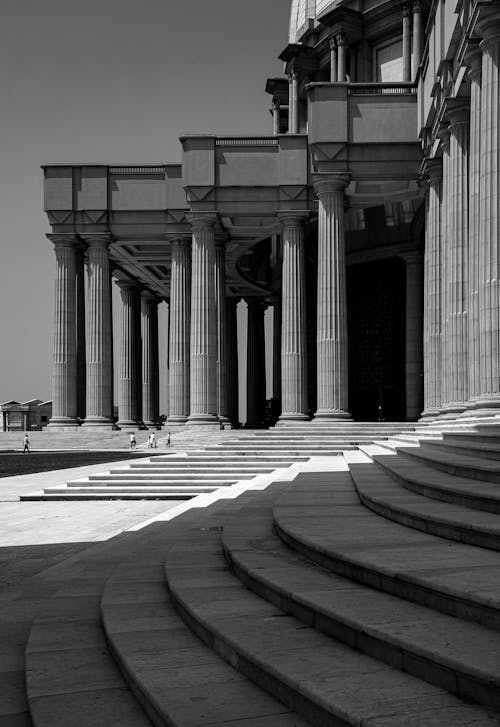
(277, 321)
(432, 292)
(276, 116)
(417, 35)
(203, 322)
(81, 363)
(414, 342)
(99, 344)
(293, 103)
(489, 227)
(444, 135)
(341, 65)
(232, 358)
(406, 42)
(180, 331)
(293, 327)
(332, 42)
(256, 364)
(456, 273)
(474, 61)
(150, 359)
(127, 400)
(222, 349)
(332, 363)
(64, 378)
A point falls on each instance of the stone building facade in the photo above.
(368, 219)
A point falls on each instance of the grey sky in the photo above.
(109, 81)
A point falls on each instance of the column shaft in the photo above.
(406, 42)
(99, 334)
(203, 324)
(232, 358)
(333, 61)
(444, 255)
(414, 342)
(432, 294)
(332, 363)
(64, 402)
(150, 359)
(417, 35)
(293, 103)
(276, 117)
(180, 327)
(341, 65)
(222, 349)
(256, 365)
(127, 401)
(293, 331)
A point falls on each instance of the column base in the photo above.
(429, 415)
(451, 411)
(128, 424)
(62, 423)
(203, 419)
(293, 418)
(151, 425)
(331, 415)
(102, 423)
(176, 421)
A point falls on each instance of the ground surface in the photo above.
(16, 463)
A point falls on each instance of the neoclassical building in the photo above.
(368, 219)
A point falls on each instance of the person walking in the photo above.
(133, 442)
(153, 442)
(168, 440)
(26, 447)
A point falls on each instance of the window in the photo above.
(389, 62)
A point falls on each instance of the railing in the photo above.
(137, 170)
(371, 89)
(249, 141)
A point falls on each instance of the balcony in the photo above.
(356, 126)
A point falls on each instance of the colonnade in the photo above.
(462, 267)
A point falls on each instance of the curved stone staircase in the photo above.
(354, 597)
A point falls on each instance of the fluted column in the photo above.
(341, 52)
(444, 135)
(222, 360)
(332, 363)
(180, 331)
(81, 363)
(414, 342)
(99, 347)
(293, 327)
(489, 228)
(432, 291)
(417, 35)
(256, 364)
(64, 378)
(277, 321)
(232, 358)
(456, 272)
(150, 362)
(293, 103)
(406, 9)
(203, 322)
(127, 399)
(332, 42)
(474, 60)
(276, 116)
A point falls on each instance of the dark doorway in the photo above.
(376, 328)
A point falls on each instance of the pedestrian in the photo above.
(133, 442)
(152, 440)
(168, 440)
(26, 447)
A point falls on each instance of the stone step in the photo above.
(179, 680)
(456, 464)
(384, 496)
(204, 466)
(124, 476)
(110, 487)
(421, 477)
(449, 653)
(320, 678)
(104, 494)
(477, 448)
(321, 517)
(231, 457)
(290, 452)
(174, 482)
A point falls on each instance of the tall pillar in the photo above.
(417, 35)
(180, 331)
(332, 362)
(293, 327)
(127, 399)
(432, 291)
(414, 342)
(341, 64)
(256, 364)
(277, 321)
(406, 42)
(203, 322)
(99, 345)
(474, 61)
(220, 302)
(293, 103)
(444, 135)
(332, 42)
(232, 358)
(456, 273)
(64, 378)
(81, 363)
(150, 359)
(276, 116)
(489, 227)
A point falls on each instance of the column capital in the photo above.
(443, 134)
(457, 112)
(65, 239)
(276, 103)
(148, 295)
(96, 239)
(432, 169)
(125, 283)
(293, 74)
(406, 9)
(202, 220)
(340, 39)
(324, 183)
(292, 218)
(332, 42)
(416, 6)
(413, 257)
(488, 27)
(184, 241)
(473, 57)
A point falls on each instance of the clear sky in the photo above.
(114, 81)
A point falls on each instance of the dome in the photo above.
(302, 10)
